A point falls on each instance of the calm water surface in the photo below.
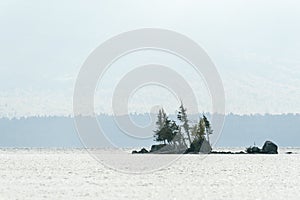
(75, 174)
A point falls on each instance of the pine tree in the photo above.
(208, 129)
(182, 116)
(198, 130)
(166, 129)
(161, 119)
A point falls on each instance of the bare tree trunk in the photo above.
(189, 137)
(183, 139)
(207, 133)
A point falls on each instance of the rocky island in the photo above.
(179, 137)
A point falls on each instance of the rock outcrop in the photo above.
(203, 146)
(253, 150)
(163, 149)
(143, 150)
(199, 146)
(157, 147)
(270, 148)
(168, 149)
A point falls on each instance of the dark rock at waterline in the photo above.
(199, 146)
(157, 147)
(143, 150)
(163, 149)
(253, 150)
(168, 149)
(205, 147)
(270, 148)
(202, 146)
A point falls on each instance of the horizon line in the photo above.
(136, 113)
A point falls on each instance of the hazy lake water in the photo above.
(74, 174)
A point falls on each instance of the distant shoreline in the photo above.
(282, 150)
(44, 132)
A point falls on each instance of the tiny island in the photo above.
(182, 137)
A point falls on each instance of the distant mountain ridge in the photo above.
(238, 131)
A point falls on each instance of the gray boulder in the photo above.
(157, 147)
(253, 150)
(205, 147)
(167, 149)
(270, 148)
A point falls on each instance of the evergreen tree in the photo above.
(166, 129)
(161, 118)
(179, 139)
(208, 129)
(198, 130)
(182, 116)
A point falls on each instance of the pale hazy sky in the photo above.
(254, 44)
